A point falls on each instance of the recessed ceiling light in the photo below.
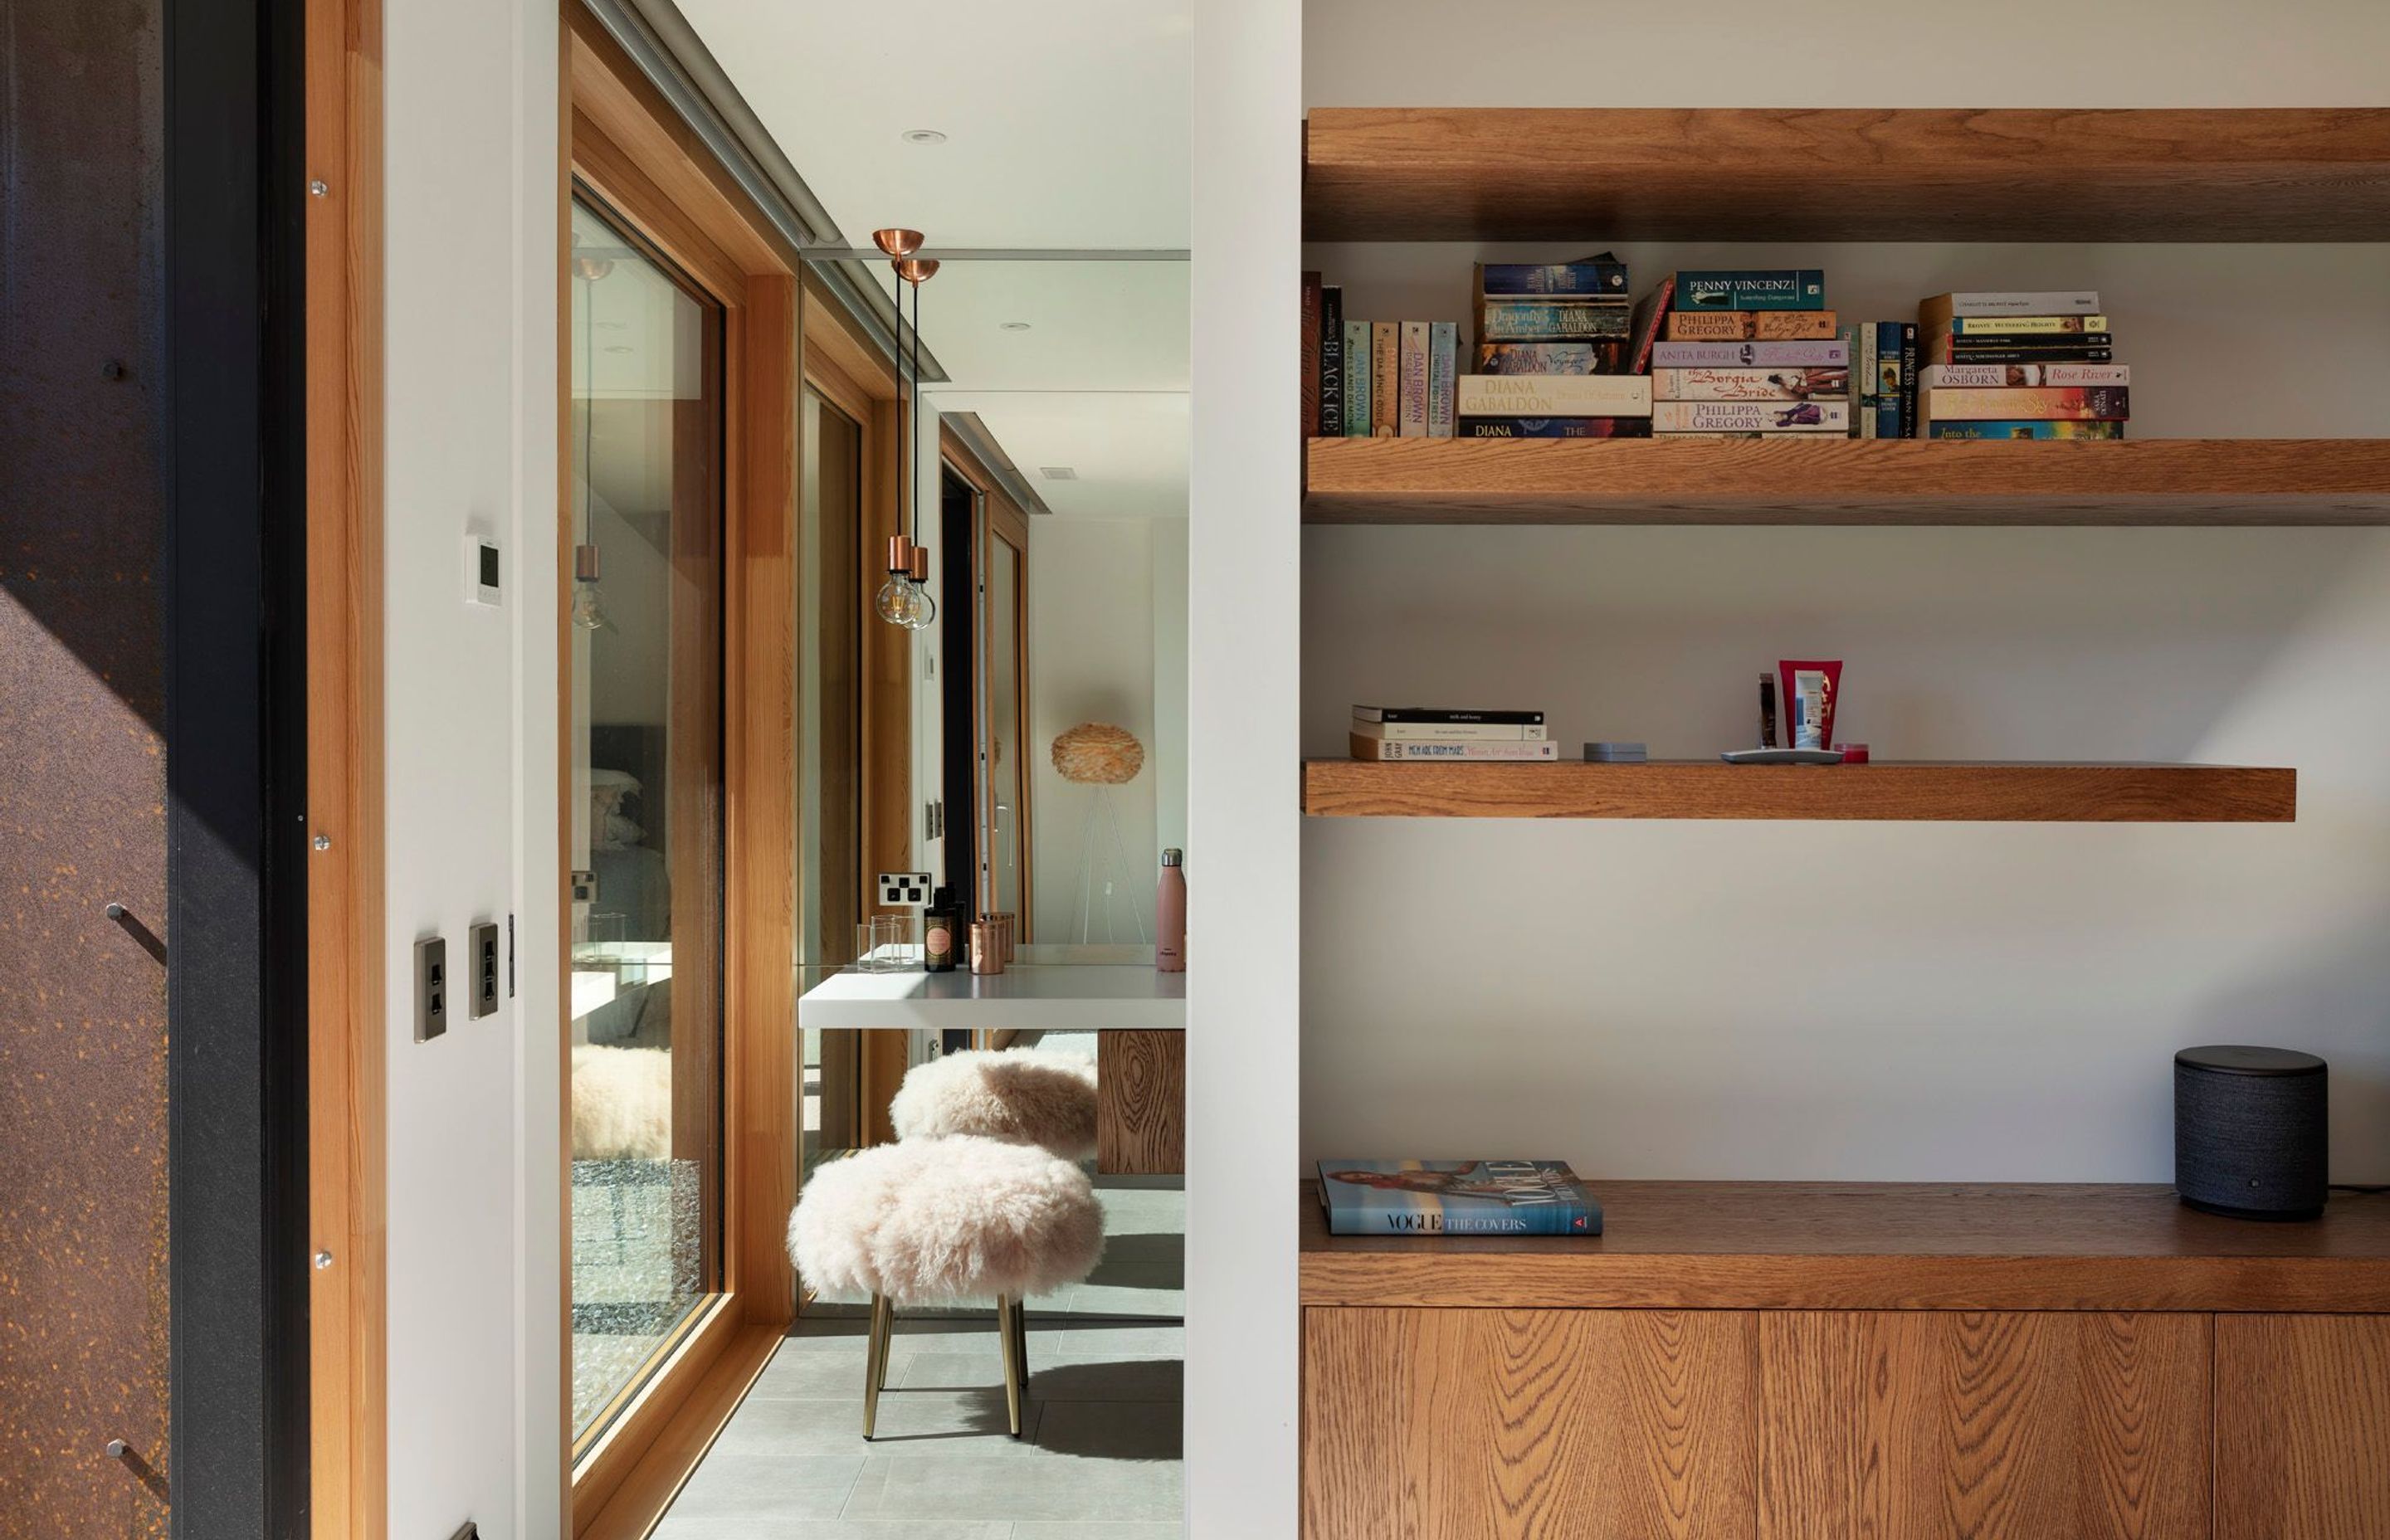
(1013, 325)
(923, 136)
(1057, 472)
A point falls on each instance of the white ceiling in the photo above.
(1066, 124)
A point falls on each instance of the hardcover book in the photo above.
(1443, 370)
(1550, 321)
(1751, 416)
(1455, 1197)
(1762, 326)
(1356, 379)
(1579, 395)
(1591, 276)
(1553, 358)
(2040, 427)
(1332, 362)
(1991, 376)
(1385, 346)
(1447, 714)
(1750, 355)
(1447, 749)
(1450, 732)
(1749, 384)
(1412, 413)
(1932, 313)
(2094, 402)
(1310, 410)
(1750, 288)
(1555, 428)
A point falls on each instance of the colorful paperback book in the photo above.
(1550, 321)
(1455, 1197)
(1759, 326)
(1750, 355)
(1751, 416)
(2036, 427)
(1555, 428)
(1750, 288)
(2095, 402)
(1443, 368)
(1332, 362)
(1908, 367)
(2022, 326)
(1942, 307)
(1749, 384)
(1310, 355)
(1385, 374)
(1572, 396)
(1650, 317)
(1866, 423)
(1412, 413)
(1447, 714)
(1991, 376)
(1451, 732)
(1356, 381)
(2051, 341)
(1552, 357)
(1384, 749)
(1941, 349)
(1591, 276)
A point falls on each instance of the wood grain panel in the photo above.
(1837, 481)
(1712, 789)
(2302, 1428)
(1780, 174)
(1140, 1103)
(1521, 1425)
(1982, 1426)
(1876, 1246)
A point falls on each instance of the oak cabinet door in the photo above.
(1922, 1425)
(1527, 1424)
(2302, 1427)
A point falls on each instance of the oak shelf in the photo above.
(1784, 174)
(1836, 480)
(1712, 789)
(1874, 1245)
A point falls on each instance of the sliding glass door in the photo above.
(644, 748)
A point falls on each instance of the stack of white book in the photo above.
(1449, 733)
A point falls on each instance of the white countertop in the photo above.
(1024, 998)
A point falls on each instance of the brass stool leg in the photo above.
(1005, 1328)
(875, 1360)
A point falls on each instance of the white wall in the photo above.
(474, 1181)
(1872, 1001)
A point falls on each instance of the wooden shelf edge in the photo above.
(1881, 793)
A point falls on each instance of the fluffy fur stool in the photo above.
(939, 1221)
(1016, 1094)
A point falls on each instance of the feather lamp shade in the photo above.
(1096, 753)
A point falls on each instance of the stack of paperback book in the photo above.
(1374, 379)
(1552, 359)
(1449, 733)
(1456, 1198)
(1744, 353)
(2019, 365)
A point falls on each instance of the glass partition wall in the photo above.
(644, 748)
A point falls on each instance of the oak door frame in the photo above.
(994, 514)
(633, 154)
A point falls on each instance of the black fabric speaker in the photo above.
(2249, 1132)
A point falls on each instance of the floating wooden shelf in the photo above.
(1837, 481)
(1909, 173)
(1874, 1245)
(1713, 788)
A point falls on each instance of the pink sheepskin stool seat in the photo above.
(945, 1221)
(1017, 1094)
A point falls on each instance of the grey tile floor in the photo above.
(1099, 1455)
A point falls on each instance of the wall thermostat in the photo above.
(481, 570)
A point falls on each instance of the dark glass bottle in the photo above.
(940, 944)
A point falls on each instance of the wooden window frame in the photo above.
(997, 514)
(626, 147)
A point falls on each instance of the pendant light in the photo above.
(586, 613)
(904, 599)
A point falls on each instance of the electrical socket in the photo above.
(899, 889)
(484, 948)
(430, 988)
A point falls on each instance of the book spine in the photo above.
(1385, 346)
(2075, 302)
(1412, 412)
(1939, 350)
(1452, 732)
(2090, 403)
(1331, 361)
(1310, 406)
(2037, 427)
(1758, 326)
(1443, 366)
(1547, 1219)
(1908, 379)
(1750, 288)
(1604, 278)
(1749, 355)
(1576, 395)
(1537, 321)
(1751, 416)
(1748, 384)
(1389, 749)
(2051, 341)
(1552, 357)
(1649, 317)
(2026, 326)
(1555, 428)
(1993, 376)
(1446, 713)
(1870, 374)
(1356, 379)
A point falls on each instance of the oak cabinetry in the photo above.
(2302, 1427)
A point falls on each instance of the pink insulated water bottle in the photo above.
(1170, 915)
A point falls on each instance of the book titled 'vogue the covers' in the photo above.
(1455, 1197)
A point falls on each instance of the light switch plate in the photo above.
(900, 889)
(483, 949)
(430, 988)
